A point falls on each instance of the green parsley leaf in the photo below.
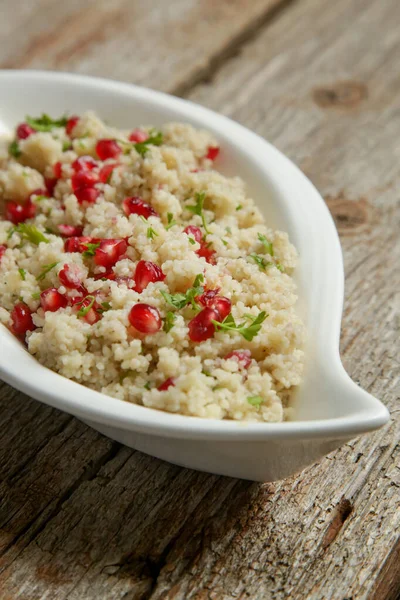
(151, 234)
(85, 309)
(255, 401)
(228, 229)
(90, 249)
(46, 123)
(269, 248)
(14, 149)
(22, 272)
(156, 139)
(245, 330)
(198, 280)
(147, 385)
(40, 197)
(191, 241)
(105, 306)
(66, 146)
(46, 269)
(239, 206)
(225, 243)
(176, 300)
(171, 221)
(206, 373)
(260, 261)
(29, 232)
(179, 300)
(142, 218)
(36, 296)
(169, 321)
(197, 209)
(279, 267)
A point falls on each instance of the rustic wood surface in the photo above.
(83, 518)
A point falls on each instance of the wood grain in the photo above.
(82, 518)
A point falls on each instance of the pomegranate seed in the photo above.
(2, 250)
(52, 300)
(91, 316)
(72, 121)
(222, 305)
(70, 230)
(147, 272)
(201, 327)
(145, 318)
(86, 194)
(15, 212)
(50, 183)
(207, 253)
(106, 171)
(138, 135)
(243, 357)
(71, 276)
(136, 206)
(77, 244)
(167, 384)
(109, 252)
(21, 318)
(195, 232)
(207, 298)
(24, 131)
(84, 163)
(212, 152)
(57, 169)
(107, 149)
(84, 179)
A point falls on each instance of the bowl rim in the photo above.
(88, 404)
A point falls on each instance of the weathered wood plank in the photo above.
(160, 44)
(133, 527)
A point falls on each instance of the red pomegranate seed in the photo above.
(71, 276)
(50, 183)
(52, 300)
(86, 194)
(201, 327)
(2, 250)
(107, 149)
(109, 252)
(24, 131)
(106, 171)
(147, 272)
(145, 318)
(195, 232)
(166, 384)
(84, 163)
(136, 206)
(92, 315)
(77, 244)
(207, 253)
(84, 179)
(222, 305)
(138, 135)
(70, 230)
(15, 212)
(72, 121)
(243, 357)
(21, 319)
(207, 298)
(212, 152)
(57, 169)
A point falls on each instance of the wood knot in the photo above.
(342, 512)
(344, 94)
(350, 216)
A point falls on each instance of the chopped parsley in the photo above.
(248, 331)
(142, 218)
(255, 400)
(29, 232)
(151, 234)
(171, 221)
(155, 139)
(36, 296)
(66, 146)
(180, 300)
(14, 149)
(90, 249)
(197, 209)
(169, 321)
(239, 206)
(105, 306)
(260, 261)
(225, 243)
(22, 272)
(228, 229)
(45, 270)
(191, 241)
(46, 123)
(269, 248)
(147, 385)
(85, 309)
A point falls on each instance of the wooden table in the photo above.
(84, 518)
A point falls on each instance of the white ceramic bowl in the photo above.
(330, 408)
